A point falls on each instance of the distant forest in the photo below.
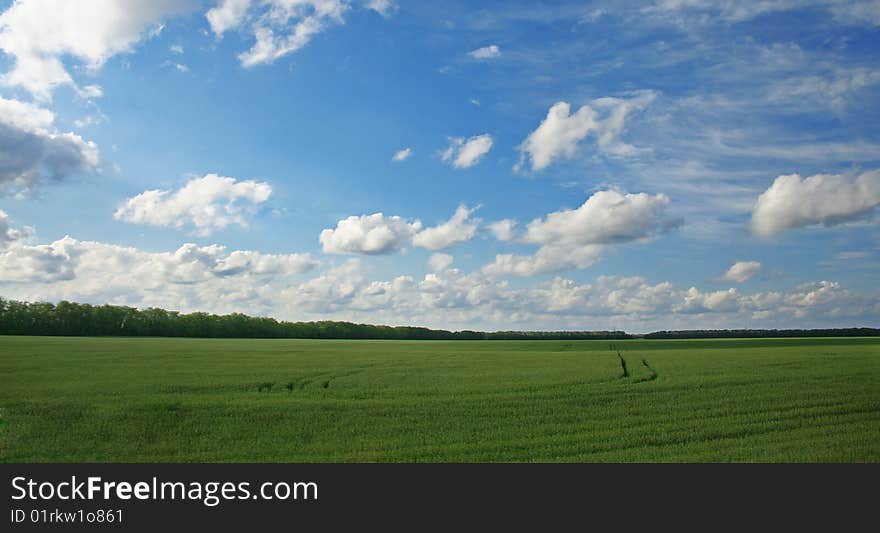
(74, 319)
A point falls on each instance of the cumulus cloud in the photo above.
(487, 52)
(696, 301)
(465, 153)
(459, 228)
(32, 150)
(402, 155)
(226, 15)
(504, 230)
(369, 234)
(439, 262)
(10, 235)
(208, 203)
(38, 34)
(548, 258)
(828, 199)
(575, 238)
(742, 271)
(607, 296)
(40, 264)
(333, 290)
(379, 234)
(605, 217)
(561, 132)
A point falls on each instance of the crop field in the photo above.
(212, 400)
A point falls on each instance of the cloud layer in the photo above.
(193, 277)
(209, 278)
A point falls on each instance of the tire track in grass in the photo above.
(652, 374)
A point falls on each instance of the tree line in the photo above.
(76, 319)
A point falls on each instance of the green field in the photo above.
(181, 400)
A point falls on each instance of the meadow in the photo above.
(268, 400)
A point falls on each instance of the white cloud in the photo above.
(467, 153)
(439, 262)
(208, 203)
(190, 277)
(40, 33)
(10, 235)
(860, 12)
(560, 133)
(828, 199)
(35, 264)
(575, 238)
(383, 7)
(176, 49)
(90, 92)
(742, 271)
(369, 234)
(548, 258)
(455, 230)
(607, 296)
(486, 52)
(504, 230)
(179, 67)
(605, 217)
(402, 155)
(697, 302)
(729, 10)
(88, 120)
(32, 150)
(280, 27)
(226, 15)
(379, 234)
(833, 90)
(333, 290)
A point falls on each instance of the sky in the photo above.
(515, 165)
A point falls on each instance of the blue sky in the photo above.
(588, 165)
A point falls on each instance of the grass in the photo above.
(146, 399)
